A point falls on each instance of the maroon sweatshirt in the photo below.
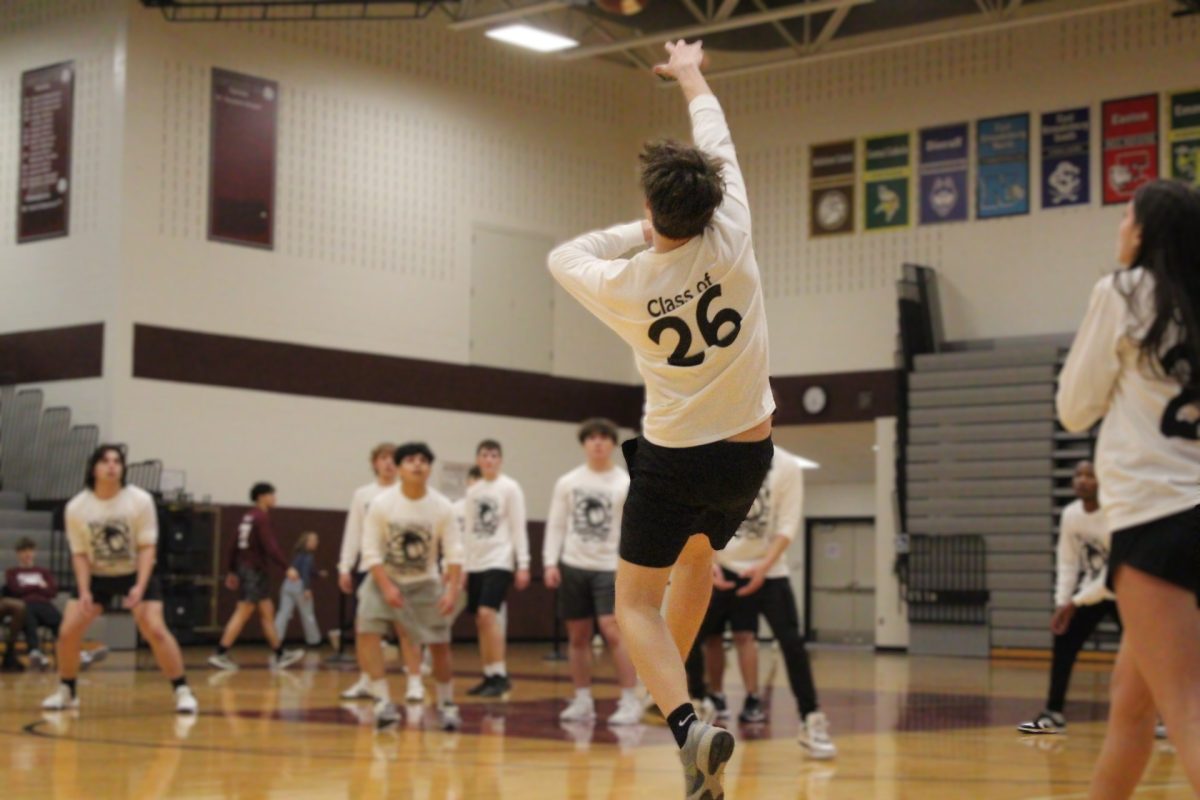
(255, 543)
(31, 584)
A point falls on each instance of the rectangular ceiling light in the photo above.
(532, 38)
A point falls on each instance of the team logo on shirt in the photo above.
(1095, 560)
(487, 517)
(591, 515)
(409, 547)
(111, 540)
(1181, 417)
(755, 524)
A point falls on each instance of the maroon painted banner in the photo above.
(1130, 146)
(241, 189)
(44, 186)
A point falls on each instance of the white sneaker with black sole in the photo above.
(222, 661)
(61, 700)
(38, 659)
(1045, 722)
(814, 737)
(580, 709)
(415, 693)
(284, 660)
(449, 717)
(359, 691)
(386, 715)
(185, 701)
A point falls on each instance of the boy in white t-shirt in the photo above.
(496, 539)
(691, 308)
(580, 559)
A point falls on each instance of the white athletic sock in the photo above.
(380, 689)
(583, 694)
(498, 668)
(445, 693)
(414, 682)
(487, 671)
(364, 679)
(629, 695)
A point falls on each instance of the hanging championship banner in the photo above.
(1185, 137)
(1130, 135)
(943, 173)
(1066, 158)
(831, 180)
(44, 183)
(1003, 152)
(887, 170)
(242, 159)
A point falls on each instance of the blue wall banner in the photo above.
(943, 173)
(1066, 158)
(1003, 150)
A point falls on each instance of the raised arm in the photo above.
(584, 264)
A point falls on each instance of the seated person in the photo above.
(35, 588)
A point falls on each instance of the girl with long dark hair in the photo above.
(1136, 363)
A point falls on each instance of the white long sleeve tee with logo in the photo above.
(694, 316)
(1148, 454)
(496, 529)
(1081, 561)
(406, 536)
(353, 532)
(583, 527)
(778, 511)
(110, 532)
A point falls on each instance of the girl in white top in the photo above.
(1136, 363)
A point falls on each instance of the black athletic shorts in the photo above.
(675, 493)
(586, 593)
(487, 589)
(109, 592)
(252, 585)
(1167, 548)
(727, 609)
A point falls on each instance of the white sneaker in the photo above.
(449, 717)
(222, 661)
(61, 700)
(185, 701)
(38, 659)
(358, 691)
(89, 657)
(284, 661)
(581, 709)
(415, 692)
(629, 712)
(814, 737)
(386, 715)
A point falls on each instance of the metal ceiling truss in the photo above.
(293, 10)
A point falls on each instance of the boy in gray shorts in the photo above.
(404, 528)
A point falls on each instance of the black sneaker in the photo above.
(499, 687)
(752, 712)
(477, 689)
(719, 706)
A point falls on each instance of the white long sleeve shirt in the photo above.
(110, 532)
(778, 511)
(1148, 456)
(406, 536)
(694, 316)
(496, 531)
(583, 527)
(353, 532)
(1081, 561)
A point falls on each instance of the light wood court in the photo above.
(906, 728)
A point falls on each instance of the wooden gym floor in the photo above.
(926, 728)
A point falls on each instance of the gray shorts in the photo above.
(252, 585)
(586, 593)
(419, 617)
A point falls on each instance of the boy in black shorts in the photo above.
(691, 307)
(112, 530)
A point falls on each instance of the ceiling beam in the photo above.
(486, 20)
(725, 10)
(703, 29)
(831, 28)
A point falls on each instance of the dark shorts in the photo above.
(252, 585)
(1167, 548)
(487, 589)
(586, 593)
(108, 592)
(675, 493)
(741, 614)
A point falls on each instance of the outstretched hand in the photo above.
(682, 57)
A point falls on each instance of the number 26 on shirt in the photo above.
(710, 330)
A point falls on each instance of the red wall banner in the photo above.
(44, 186)
(241, 189)
(1130, 146)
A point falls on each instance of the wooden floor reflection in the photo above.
(926, 728)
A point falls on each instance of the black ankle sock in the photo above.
(222, 649)
(178, 682)
(70, 684)
(680, 720)
(279, 651)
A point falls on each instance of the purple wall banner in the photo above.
(943, 173)
(242, 159)
(44, 186)
(1066, 158)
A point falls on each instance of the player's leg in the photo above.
(308, 620)
(287, 607)
(1129, 737)
(410, 655)
(629, 707)
(494, 590)
(148, 615)
(373, 620)
(237, 621)
(75, 623)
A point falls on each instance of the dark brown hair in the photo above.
(597, 426)
(683, 187)
(97, 456)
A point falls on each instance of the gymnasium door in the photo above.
(842, 599)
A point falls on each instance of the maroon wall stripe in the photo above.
(53, 354)
(216, 360)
